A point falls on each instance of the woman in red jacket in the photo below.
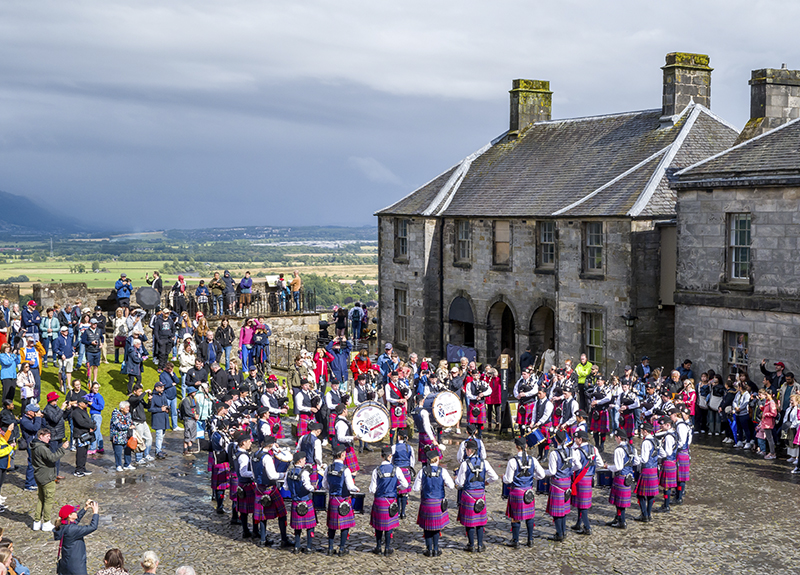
(768, 415)
(322, 371)
(493, 401)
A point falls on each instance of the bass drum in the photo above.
(371, 422)
(445, 407)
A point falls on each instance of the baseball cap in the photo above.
(32, 303)
(780, 364)
(66, 511)
(93, 320)
(387, 346)
(64, 328)
(32, 407)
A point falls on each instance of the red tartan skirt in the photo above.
(272, 421)
(302, 423)
(620, 495)
(336, 521)
(248, 504)
(600, 424)
(430, 516)
(648, 482)
(351, 459)
(332, 424)
(276, 508)
(307, 521)
(398, 421)
(629, 422)
(467, 515)
(479, 419)
(517, 509)
(379, 518)
(219, 476)
(668, 476)
(684, 463)
(525, 414)
(558, 505)
(582, 493)
(424, 443)
(405, 490)
(233, 485)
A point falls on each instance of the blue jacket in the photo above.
(246, 285)
(62, 345)
(30, 320)
(73, 547)
(97, 403)
(133, 361)
(202, 290)
(8, 365)
(123, 289)
(341, 359)
(30, 427)
(170, 381)
(160, 418)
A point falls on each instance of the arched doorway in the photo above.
(542, 330)
(500, 331)
(462, 323)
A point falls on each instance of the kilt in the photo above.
(302, 423)
(601, 424)
(398, 421)
(629, 422)
(307, 521)
(272, 421)
(405, 490)
(272, 511)
(424, 442)
(332, 424)
(233, 485)
(336, 521)
(430, 516)
(620, 495)
(351, 460)
(557, 504)
(219, 476)
(248, 504)
(582, 493)
(668, 475)
(525, 414)
(479, 419)
(466, 509)
(648, 482)
(210, 465)
(685, 461)
(517, 509)
(379, 518)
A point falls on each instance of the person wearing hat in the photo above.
(178, 293)
(269, 502)
(525, 391)
(32, 354)
(425, 435)
(276, 407)
(643, 369)
(190, 415)
(44, 461)
(543, 416)
(220, 464)
(311, 445)
(159, 416)
(69, 534)
(303, 516)
(588, 458)
(685, 370)
(600, 423)
(477, 391)
(403, 457)
(263, 429)
(124, 288)
(647, 486)
(581, 422)
(624, 459)
(92, 342)
(83, 427)
(65, 353)
(667, 454)
(30, 320)
(560, 465)
(385, 362)
(397, 393)
(471, 478)
(343, 437)
(332, 400)
(246, 492)
(30, 423)
(472, 432)
(338, 482)
(521, 472)
(302, 403)
(569, 410)
(53, 415)
(627, 402)
(102, 320)
(683, 435)
(385, 513)
(164, 333)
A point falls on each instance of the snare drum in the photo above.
(371, 422)
(285, 493)
(445, 407)
(358, 502)
(604, 478)
(535, 437)
(320, 498)
(543, 485)
(506, 490)
(283, 459)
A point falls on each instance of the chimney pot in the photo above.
(774, 100)
(531, 101)
(687, 79)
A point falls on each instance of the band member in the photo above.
(275, 406)
(560, 467)
(471, 478)
(343, 437)
(422, 424)
(403, 457)
(432, 516)
(332, 399)
(362, 392)
(311, 446)
(269, 502)
(624, 460)
(304, 516)
(569, 410)
(667, 454)
(522, 470)
(472, 431)
(477, 392)
(338, 482)
(221, 466)
(589, 458)
(263, 427)
(525, 391)
(542, 414)
(600, 423)
(647, 486)
(581, 422)
(396, 402)
(683, 429)
(627, 404)
(666, 406)
(303, 406)
(246, 491)
(385, 515)
(233, 477)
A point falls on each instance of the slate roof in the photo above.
(772, 157)
(613, 165)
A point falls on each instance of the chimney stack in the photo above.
(774, 100)
(687, 78)
(531, 101)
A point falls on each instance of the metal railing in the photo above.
(268, 302)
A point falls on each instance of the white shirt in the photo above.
(363, 388)
(647, 447)
(548, 412)
(461, 475)
(619, 457)
(472, 397)
(605, 399)
(684, 434)
(511, 469)
(329, 400)
(426, 423)
(317, 451)
(305, 480)
(243, 464)
(575, 409)
(340, 427)
(269, 467)
(410, 451)
(264, 427)
(598, 459)
(266, 403)
(388, 392)
(631, 407)
(298, 403)
(398, 473)
(534, 389)
(461, 453)
(667, 446)
(348, 481)
(552, 461)
(448, 481)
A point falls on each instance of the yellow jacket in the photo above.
(39, 348)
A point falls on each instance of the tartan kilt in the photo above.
(332, 424)
(479, 419)
(379, 517)
(424, 442)
(684, 463)
(557, 504)
(582, 493)
(525, 414)
(430, 516)
(351, 461)
(668, 475)
(272, 421)
(336, 521)
(302, 423)
(272, 511)
(307, 521)
(517, 509)
(648, 482)
(210, 465)
(601, 424)
(398, 421)
(466, 509)
(219, 476)
(248, 504)
(407, 475)
(629, 422)
(620, 495)
(233, 485)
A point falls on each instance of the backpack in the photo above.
(356, 311)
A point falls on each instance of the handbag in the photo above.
(701, 402)
(119, 341)
(714, 402)
(132, 443)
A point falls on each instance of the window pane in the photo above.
(593, 330)
(502, 242)
(736, 344)
(401, 315)
(547, 248)
(594, 246)
(463, 241)
(739, 254)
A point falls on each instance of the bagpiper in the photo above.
(521, 471)
(624, 459)
(304, 516)
(472, 476)
(425, 434)
(667, 454)
(647, 486)
(220, 468)
(269, 502)
(403, 457)
(683, 429)
(338, 482)
(385, 515)
(343, 437)
(477, 392)
(246, 490)
(472, 434)
(275, 405)
(561, 464)
(432, 516)
(311, 446)
(396, 400)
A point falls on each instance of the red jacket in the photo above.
(359, 366)
(321, 367)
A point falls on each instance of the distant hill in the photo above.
(277, 234)
(22, 217)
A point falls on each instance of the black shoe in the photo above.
(388, 551)
(285, 544)
(220, 511)
(558, 538)
(576, 527)
(513, 544)
(368, 448)
(612, 523)
(641, 518)
(307, 550)
(247, 534)
(481, 548)
(343, 552)
(438, 552)
(295, 550)
(378, 550)
(620, 525)
(262, 543)
(427, 553)
(529, 543)
(87, 472)
(663, 509)
(584, 531)
(235, 522)
(328, 552)
(679, 502)
(649, 519)
(402, 516)
(469, 548)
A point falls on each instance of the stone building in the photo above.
(556, 230)
(738, 276)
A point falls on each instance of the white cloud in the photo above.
(374, 171)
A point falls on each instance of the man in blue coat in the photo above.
(340, 348)
(30, 320)
(160, 412)
(124, 288)
(65, 354)
(72, 560)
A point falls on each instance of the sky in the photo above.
(184, 114)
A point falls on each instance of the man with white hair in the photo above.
(185, 570)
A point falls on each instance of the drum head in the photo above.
(445, 407)
(371, 422)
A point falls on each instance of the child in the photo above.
(768, 413)
(793, 436)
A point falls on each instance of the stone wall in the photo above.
(45, 295)
(10, 292)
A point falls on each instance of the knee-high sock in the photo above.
(529, 527)
(436, 535)
(650, 500)
(331, 535)
(297, 534)
(621, 513)
(428, 539)
(586, 519)
(282, 527)
(643, 505)
(681, 490)
(309, 538)
(345, 536)
(245, 526)
(471, 536)
(480, 536)
(262, 530)
(515, 527)
(403, 500)
(389, 538)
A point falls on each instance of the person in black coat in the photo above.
(204, 353)
(82, 425)
(72, 548)
(55, 420)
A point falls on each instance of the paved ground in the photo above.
(740, 517)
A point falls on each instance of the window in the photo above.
(593, 335)
(401, 238)
(736, 351)
(739, 247)
(502, 243)
(593, 257)
(401, 316)
(547, 245)
(463, 241)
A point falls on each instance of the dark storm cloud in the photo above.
(322, 112)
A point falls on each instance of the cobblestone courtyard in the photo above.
(739, 517)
